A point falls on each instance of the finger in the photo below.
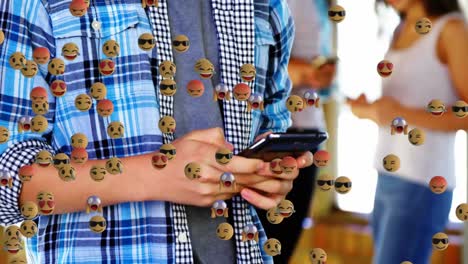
(282, 187)
(249, 179)
(261, 201)
(264, 135)
(241, 165)
(214, 136)
(305, 160)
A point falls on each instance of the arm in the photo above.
(453, 45)
(454, 42)
(276, 116)
(35, 31)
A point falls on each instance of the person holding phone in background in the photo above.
(313, 39)
(429, 62)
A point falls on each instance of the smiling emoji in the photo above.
(98, 91)
(39, 124)
(385, 68)
(325, 182)
(97, 224)
(98, 173)
(247, 72)
(168, 87)
(169, 150)
(436, 107)
(416, 136)
(56, 66)
(181, 43)
(460, 109)
(70, 51)
(336, 13)
(159, 160)
(285, 208)
(30, 69)
(273, 216)
(58, 88)
(440, 241)
(223, 156)
(391, 163)
(43, 158)
(29, 210)
(106, 67)
(204, 68)
(423, 26)
(146, 42)
(46, 203)
(225, 231)
(83, 102)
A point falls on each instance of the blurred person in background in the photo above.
(313, 38)
(427, 65)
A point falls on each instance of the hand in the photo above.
(267, 194)
(361, 108)
(321, 77)
(382, 111)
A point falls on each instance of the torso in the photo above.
(419, 75)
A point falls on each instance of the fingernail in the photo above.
(246, 194)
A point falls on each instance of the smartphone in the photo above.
(279, 145)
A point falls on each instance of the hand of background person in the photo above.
(381, 111)
(304, 73)
(321, 77)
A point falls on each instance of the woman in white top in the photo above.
(425, 67)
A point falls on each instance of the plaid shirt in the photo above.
(142, 232)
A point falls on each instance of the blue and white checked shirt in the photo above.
(141, 232)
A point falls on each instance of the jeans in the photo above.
(405, 217)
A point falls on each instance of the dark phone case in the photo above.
(284, 144)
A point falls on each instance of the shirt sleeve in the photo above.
(26, 26)
(276, 116)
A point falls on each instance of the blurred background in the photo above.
(339, 223)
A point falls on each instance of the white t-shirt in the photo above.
(417, 78)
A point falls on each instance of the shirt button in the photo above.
(96, 25)
(183, 237)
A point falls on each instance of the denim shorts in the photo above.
(405, 217)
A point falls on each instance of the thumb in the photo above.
(214, 136)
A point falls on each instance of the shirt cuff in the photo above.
(11, 160)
